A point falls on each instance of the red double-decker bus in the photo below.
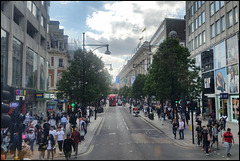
(113, 99)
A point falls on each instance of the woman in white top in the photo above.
(60, 137)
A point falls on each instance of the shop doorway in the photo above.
(223, 105)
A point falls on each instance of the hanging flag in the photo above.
(144, 29)
(117, 79)
(141, 38)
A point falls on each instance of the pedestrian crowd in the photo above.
(208, 135)
(48, 133)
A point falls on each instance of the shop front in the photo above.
(229, 105)
(42, 98)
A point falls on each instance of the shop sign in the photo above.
(223, 95)
(14, 104)
(46, 95)
(39, 95)
(20, 92)
(18, 98)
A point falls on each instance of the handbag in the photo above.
(82, 133)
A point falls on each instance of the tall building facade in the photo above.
(24, 56)
(58, 58)
(142, 59)
(212, 37)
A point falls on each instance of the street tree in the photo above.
(85, 78)
(137, 87)
(173, 73)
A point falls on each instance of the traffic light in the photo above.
(5, 119)
(73, 104)
(195, 105)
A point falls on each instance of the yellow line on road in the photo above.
(89, 151)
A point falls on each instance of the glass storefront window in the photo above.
(31, 69)
(4, 56)
(235, 108)
(42, 73)
(17, 63)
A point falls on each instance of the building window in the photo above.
(29, 5)
(200, 20)
(229, 19)
(189, 29)
(192, 27)
(200, 39)
(4, 56)
(211, 9)
(222, 21)
(35, 10)
(42, 21)
(31, 69)
(192, 10)
(196, 24)
(196, 6)
(52, 61)
(17, 63)
(203, 37)
(199, 4)
(235, 15)
(196, 42)
(42, 3)
(203, 2)
(60, 64)
(216, 6)
(221, 4)
(217, 27)
(42, 73)
(212, 29)
(203, 17)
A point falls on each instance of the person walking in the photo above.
(67, 147)
(181, 129)
(215, 135)
(42, 142)
(175, 125)
(26, 150)
(224, 121)
(76, 139)
(32, 138)
(162, 117)
(228, 140)
(50, 146)
(60, 137)
(52, 121)
(46, 127)
(205, 139)
(221, 124)
(198, 134)
(64, 122)
(16, 144)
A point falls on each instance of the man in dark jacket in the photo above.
(67, 147)
(205, 139)
(76, 139)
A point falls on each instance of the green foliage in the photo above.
(86, 78)
(137, 87)
(172, 72)
(124, 91)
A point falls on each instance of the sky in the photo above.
(117, 23)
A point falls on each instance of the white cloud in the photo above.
(121, 24)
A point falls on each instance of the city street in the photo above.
(124, 137)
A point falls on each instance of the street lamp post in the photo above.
(107, 52)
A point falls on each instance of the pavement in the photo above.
(165, 128)
(188, 141)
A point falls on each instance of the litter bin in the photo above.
(151, 116)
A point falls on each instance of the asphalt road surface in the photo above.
(121, 136)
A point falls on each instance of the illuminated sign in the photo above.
(20, 92)
(39, 95)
